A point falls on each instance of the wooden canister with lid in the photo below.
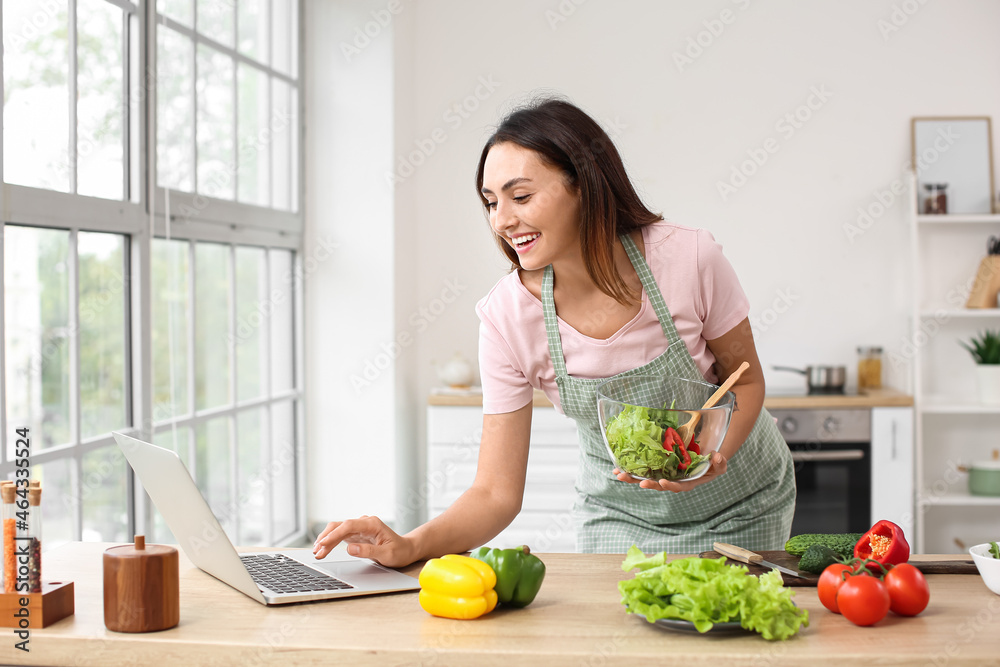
(141, 587)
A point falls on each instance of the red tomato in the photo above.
(908, 590)
(829, 583)
(863, 600)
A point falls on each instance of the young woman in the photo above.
(601, 286)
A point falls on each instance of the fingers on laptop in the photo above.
(366, 529)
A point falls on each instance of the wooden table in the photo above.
(576, 619)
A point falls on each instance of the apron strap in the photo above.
(648, 284)
(552, 324)
(651, 288)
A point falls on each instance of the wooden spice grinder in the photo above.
(141, 587)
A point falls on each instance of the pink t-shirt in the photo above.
(698, 284)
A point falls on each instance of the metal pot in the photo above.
(821, 379)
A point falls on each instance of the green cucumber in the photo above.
(842, 543)
(817, 558)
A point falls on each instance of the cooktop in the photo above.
(794, 392)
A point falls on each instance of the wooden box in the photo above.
(55, 602)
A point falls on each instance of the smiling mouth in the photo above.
(524, 239)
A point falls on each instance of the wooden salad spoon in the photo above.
(686, 430)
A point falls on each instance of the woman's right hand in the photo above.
(366, 537)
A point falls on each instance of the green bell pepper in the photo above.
(519, 574)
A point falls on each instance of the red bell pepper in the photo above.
(672, 442)
(668, 439)
(685, 458)
(693, 446)
(883, 543)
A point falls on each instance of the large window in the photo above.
(153, 291)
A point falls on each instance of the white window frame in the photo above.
(139, 216)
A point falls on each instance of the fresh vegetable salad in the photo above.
(706, 591)
(645, 443)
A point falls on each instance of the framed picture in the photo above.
(953, 159)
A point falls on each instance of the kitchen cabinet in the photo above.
(544, 523)
(953, 428)
(892, 466)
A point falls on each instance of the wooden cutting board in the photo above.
(786, 559)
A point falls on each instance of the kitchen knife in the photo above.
(749, 557)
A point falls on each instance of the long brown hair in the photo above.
(568, 139)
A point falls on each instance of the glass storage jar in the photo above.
(869, 368)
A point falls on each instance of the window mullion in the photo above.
(73, 336)
(233, 449)
(236, 104)
(291, 147)
(266, 429)
(73, 340)
(270, 147)
(192, 353)
(269, 56)
(194, 101)
(126, 107)
(270, 102)
(72, 156)
(141, 253)
(126, 6)
(298, 321)
(236, 132)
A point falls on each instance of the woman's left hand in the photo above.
(718, 467)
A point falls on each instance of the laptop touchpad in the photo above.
(350, 570)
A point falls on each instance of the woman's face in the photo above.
(531, 206)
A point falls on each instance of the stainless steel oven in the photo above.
(832, 453)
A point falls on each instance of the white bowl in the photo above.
(988, 566)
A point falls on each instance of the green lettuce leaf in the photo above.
(706, 591)
(635, 436)
(995, 549)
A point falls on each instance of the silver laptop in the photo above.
(269, 577)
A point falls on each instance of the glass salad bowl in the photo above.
(643, 420)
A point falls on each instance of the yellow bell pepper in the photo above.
(455, 586)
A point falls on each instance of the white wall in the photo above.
(816, 290)
(349, 291)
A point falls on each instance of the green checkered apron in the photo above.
(751, 505)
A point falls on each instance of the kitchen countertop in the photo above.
(875, 398)
(576, 619)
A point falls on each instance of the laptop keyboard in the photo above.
(282, 574)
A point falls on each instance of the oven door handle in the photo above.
(834, 455)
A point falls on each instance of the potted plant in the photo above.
(985, 350)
